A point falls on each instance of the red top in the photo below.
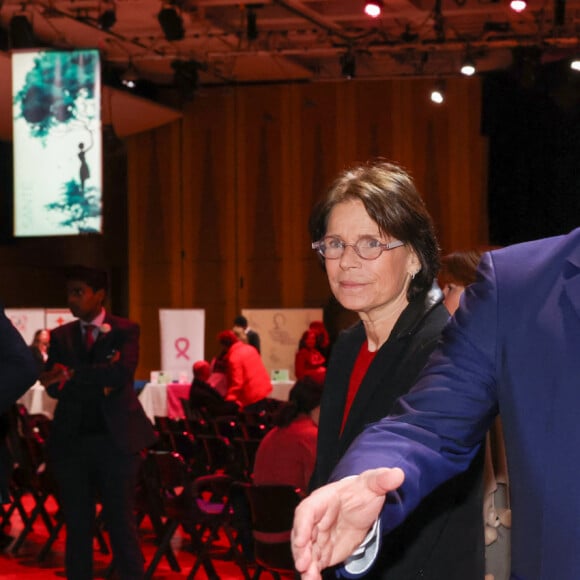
(249, 380)
(309, 362)
(286, 455)
(361, 365)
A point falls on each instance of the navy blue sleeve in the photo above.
(18, 369)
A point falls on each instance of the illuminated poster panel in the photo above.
(57, 143)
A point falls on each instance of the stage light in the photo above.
(107, 19)
(518, 5)
(373, 8)
(438, 93)
(130, 77)
(468, 67)
(575, 64)
(171, 23)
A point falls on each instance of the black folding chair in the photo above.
(272, 513)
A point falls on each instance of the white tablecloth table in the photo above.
(36, 400)
(154, 397)
(281, 390)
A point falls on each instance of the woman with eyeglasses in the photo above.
(377, 244)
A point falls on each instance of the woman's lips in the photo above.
(350, 285)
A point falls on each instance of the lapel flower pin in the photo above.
(105, 328)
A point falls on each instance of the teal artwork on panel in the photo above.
(56, 109)
(77, 205)
(55, 87)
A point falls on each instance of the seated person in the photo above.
(218, 378)
(39, 347)
(287, 453)
(249, 383)
(203, 396)
(309, 361)
(322, 337)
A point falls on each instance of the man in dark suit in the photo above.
(253, 338)
(99, 426)
(512, 347)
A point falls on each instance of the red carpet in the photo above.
(24, 564)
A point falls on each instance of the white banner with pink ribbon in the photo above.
(182, 340)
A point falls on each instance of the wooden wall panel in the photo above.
(262, 221)
(219, 202)
(209, 212)
(155, 231)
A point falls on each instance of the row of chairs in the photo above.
(186, 485)
(207, 505)
(225, 449)
(239, 423)
(208, 453)
(210, 444)
(31, 477)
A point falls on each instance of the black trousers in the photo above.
(93, 469)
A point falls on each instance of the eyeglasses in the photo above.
(367, 248)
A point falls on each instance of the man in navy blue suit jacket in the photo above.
(99, 427)
(513, 347)
(17, 367)
(18, 372)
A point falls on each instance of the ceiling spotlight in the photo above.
(438, 93)
(130, 77)
(468, 67)
(107, 19)
(171, 23)
(518, 5)
(575, 64)
(373, 8)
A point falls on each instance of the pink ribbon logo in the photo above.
(182, 346)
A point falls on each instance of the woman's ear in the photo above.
(413, 264)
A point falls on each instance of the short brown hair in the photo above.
(390, 198)
(460, 267)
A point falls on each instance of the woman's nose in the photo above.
(349, 257)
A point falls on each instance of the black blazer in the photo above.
(444, 537)
(104, 377)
